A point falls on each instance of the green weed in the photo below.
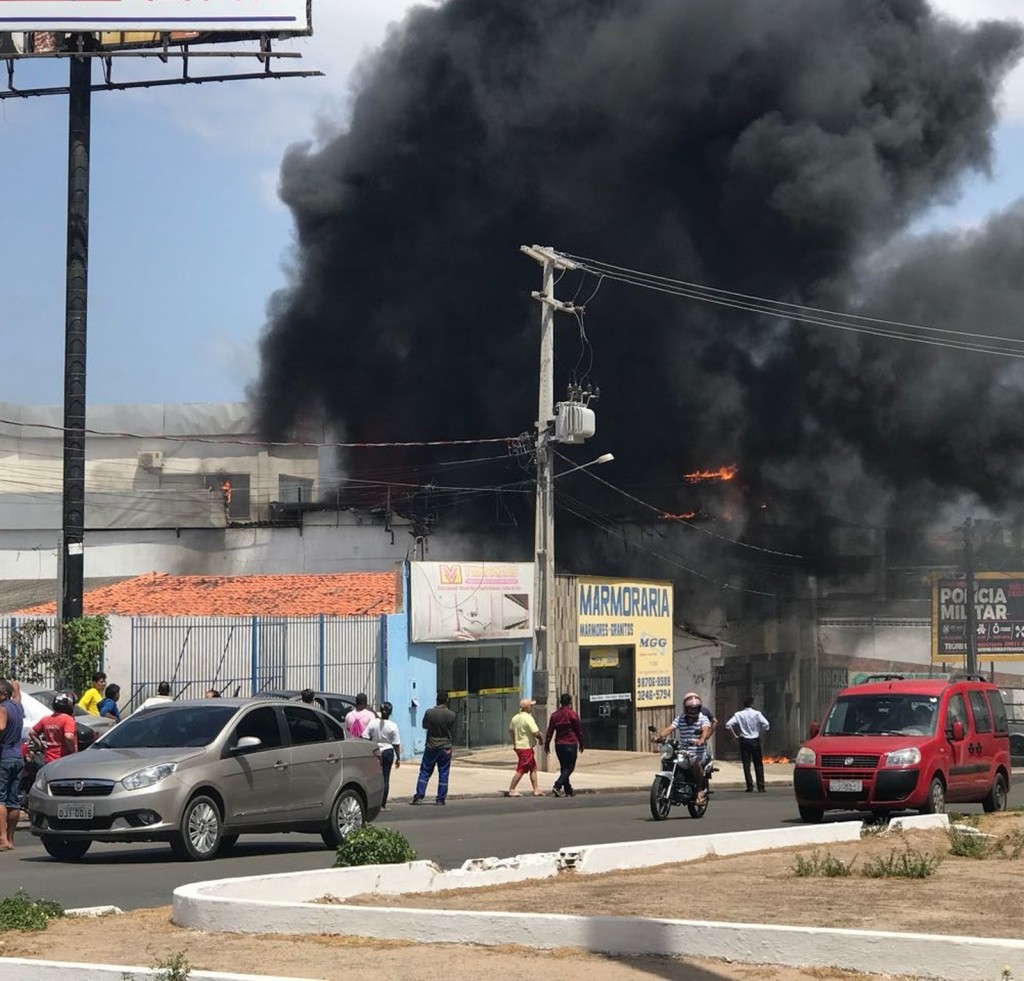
(21, 912)
(826, 865)
(374, 845)
(968, 844)
(908, 864)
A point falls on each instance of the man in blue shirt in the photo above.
(12, 720)
(693, 730)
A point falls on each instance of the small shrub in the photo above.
(968, 844)
(1010, 845)
(826, 865)
(908, 864)
(175, 968)
(21, 912)
(874, 828)
(373, 845)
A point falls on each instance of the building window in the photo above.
(233, 489)
(294, 490)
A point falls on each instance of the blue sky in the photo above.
(187, 237)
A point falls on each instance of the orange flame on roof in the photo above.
(722, 473)
(684, 516)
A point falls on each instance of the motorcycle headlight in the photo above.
(904, 757)
(806, 757)
(149, 776)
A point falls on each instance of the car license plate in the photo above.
(74, 812)
(845, 786)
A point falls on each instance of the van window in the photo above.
(956, 711)
(999, 719)
(979, 708)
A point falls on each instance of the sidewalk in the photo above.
(486, 773)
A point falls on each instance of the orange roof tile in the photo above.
(158, 594)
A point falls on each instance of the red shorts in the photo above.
(527, 761)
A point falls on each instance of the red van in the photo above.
(891, 745)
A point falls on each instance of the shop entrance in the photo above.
(484, 686)
(606, 697)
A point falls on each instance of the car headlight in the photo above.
(806, 757)
(149, 776)
(904, 757)
(40, 783)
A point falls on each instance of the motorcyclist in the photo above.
(693, 730)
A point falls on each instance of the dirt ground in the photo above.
(764, 882)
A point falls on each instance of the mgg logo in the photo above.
(652, 643)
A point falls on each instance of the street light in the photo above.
(603, 458)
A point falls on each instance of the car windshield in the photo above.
(884, 714)
(169, 728)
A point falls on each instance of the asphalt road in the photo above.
(145, 875)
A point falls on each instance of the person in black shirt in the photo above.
(439, 723)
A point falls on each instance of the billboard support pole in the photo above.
(76, 312)
(971, 647)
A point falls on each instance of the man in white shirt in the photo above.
(163, 694)
(747, 726)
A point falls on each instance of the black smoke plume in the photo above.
(767, 148)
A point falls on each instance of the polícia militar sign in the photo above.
(88, 16)
(998, 602)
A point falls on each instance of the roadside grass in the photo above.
(908, 864)
(827, 866)
(965, 843)
(22, 912)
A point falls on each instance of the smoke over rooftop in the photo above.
(777, 149)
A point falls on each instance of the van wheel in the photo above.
(996, 800)
(811, 815)
(936, 802)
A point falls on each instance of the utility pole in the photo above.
(971, 665)
(544, 524)
(72, 541)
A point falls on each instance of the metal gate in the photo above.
(245, 655)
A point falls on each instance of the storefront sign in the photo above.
(998, 601)
(638, 613)
(623, 696)
(470, 601)
(604, 660)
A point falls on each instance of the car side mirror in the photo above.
(246, 743)
(958, 732)
(813, 729)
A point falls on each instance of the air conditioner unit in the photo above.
(574, 423)
(152, 460)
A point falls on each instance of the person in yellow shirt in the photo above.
(92, 697)
(524, 731)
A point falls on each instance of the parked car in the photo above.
(201, 772)
(88, 727)
(338, 705)
(893, 744)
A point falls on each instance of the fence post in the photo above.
(12, 650)
(383, 659)
(323, 651)
(255, 654)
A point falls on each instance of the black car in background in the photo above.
(334, 704)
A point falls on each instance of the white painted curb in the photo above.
(285, 903)
(26, 969)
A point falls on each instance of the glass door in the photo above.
(484, 687)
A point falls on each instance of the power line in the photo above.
(856, 323)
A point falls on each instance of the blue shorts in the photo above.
(10, 775)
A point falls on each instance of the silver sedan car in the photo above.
(199, 773)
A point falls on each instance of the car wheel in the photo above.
(996, 800)
(199, 833)
(348, 814)
(810, 815)
(65, 849)
(936, 802)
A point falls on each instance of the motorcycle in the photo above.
(674, 784)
